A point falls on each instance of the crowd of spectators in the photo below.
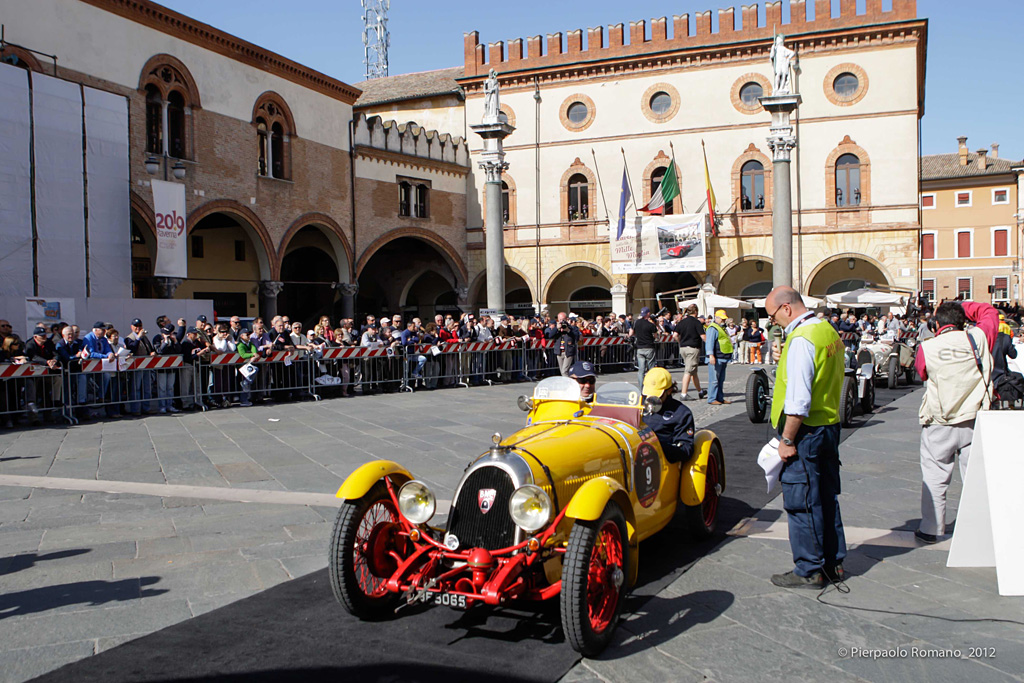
(410, 359)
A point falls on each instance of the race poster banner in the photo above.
(169, 208)
(46, 312)
(661, 244)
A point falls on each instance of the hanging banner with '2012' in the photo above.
(169, 207)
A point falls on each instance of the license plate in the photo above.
(453, 600)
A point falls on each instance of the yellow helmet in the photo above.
(657, 381)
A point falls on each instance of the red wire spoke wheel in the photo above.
(700, 520)
(602, 591)
(360, 563)
(593, 581)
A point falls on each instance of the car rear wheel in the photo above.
(360, 563)
(593, 581)
(867, 401)
(700, 520)
(757, 397)
(893, 377)
(847, 400)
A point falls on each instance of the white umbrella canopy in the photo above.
(864, 298)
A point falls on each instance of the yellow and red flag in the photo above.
(711, 192)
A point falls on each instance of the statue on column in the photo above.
(782, 61)
(491, 104)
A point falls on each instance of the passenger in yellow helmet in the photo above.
(672, 422)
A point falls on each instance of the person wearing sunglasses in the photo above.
(805, 411)
(583, 372)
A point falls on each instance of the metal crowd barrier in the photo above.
(666, 352)
(167, 383)
(35, 391)
(340, 371)
(281, 375)
(131, 385)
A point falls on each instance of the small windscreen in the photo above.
(557, 389)
(618, 394)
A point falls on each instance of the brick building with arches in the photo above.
(314, 196)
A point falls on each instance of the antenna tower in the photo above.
(376, 38)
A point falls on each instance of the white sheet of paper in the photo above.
(109, 365)
(769, 461)
(435, 350)
(287, 361)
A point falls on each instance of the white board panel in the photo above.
(110, 251)
(15, 190)
(60, 219)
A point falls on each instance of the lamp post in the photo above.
(153, 164)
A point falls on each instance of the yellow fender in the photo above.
(589, 503)
(362, 480)
(692, 478)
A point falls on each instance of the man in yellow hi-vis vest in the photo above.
(718, 347)
(805, 410)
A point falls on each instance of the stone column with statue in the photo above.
(782, 140)
(492, 160)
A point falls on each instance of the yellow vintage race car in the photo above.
(555, 510)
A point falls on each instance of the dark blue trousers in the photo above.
(810, 494)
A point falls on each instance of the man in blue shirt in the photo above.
(718, 347)
(410, 340)
(96, 344)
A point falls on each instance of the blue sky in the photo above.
(973, 59)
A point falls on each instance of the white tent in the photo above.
(809, 302)
(864, 298)
(707, 302)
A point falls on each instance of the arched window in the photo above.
(848, 180)
(404, 199)
(274, 131)
(170, 98)
(752, 186)
(505, 203)
(263, 141)
(277, 150)
(154, 120)
(422, 201)
(656, 178)
(176, 125)
(579, 203)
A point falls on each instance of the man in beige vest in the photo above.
(957, 366)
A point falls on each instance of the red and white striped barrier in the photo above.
(235, 359)
(353, 352)
(603, 341)
(24, 370)
(132, 363)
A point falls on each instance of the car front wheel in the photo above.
(364, 536)
(700, 520)
(593, 581)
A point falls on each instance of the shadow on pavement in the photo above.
(664, 618)
(383, 672)
(82, 593)
(16, 563)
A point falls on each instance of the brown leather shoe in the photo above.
(715, 403)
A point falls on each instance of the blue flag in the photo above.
(624, 197)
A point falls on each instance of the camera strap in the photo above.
(978, 363)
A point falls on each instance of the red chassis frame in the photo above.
(488, 576)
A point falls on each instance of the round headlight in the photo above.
(530, 508)
(416, 502)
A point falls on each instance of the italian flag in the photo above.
(666, 192)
